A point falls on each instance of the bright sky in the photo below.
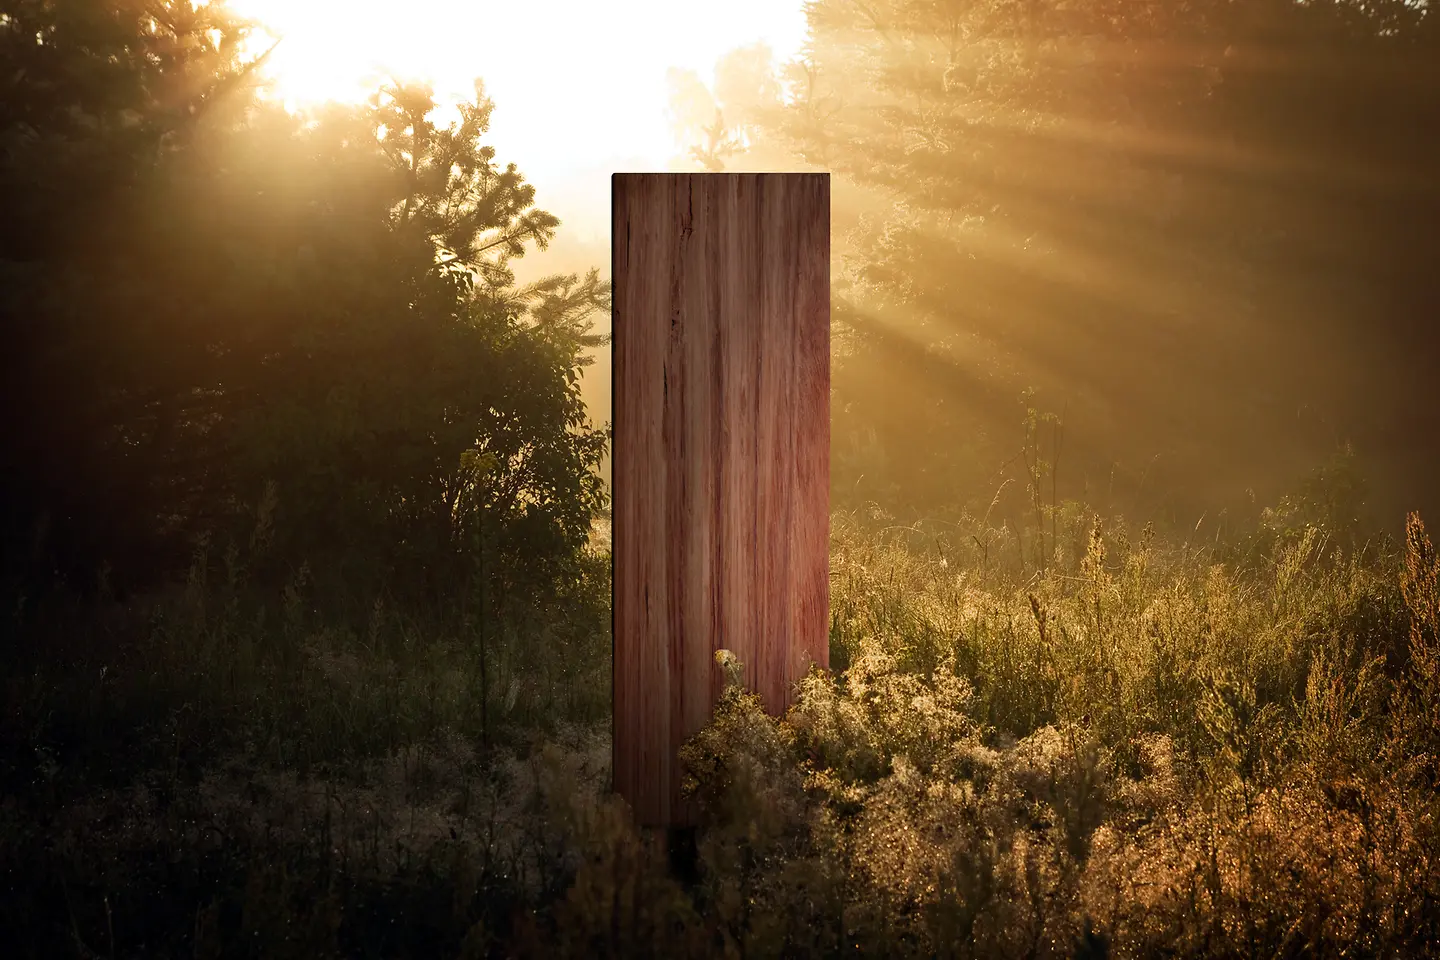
(579, 85)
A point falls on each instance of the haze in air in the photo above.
(1134, 625)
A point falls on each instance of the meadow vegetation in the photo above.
(1150, 748)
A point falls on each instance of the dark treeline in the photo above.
(1203, 231)
(213, 308)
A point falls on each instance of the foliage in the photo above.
(320, 307)
(1147, 749)
(100, 98)
(1124, 206)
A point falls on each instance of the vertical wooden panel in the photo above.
(721, 458)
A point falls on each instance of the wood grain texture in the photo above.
(721, 455)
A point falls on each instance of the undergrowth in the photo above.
(1137, 748)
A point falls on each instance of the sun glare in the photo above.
(579, 86)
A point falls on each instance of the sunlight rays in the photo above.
(578, 86)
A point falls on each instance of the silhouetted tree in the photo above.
(212, 298)
(100, 98)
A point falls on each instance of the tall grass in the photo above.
(1140, 747)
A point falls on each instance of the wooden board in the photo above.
(721, 455)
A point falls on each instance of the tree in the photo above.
(1124, 205)
(716, 127)
(425, 351)
(100, 96)
(321, 305)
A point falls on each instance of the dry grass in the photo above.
(1146, 750)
